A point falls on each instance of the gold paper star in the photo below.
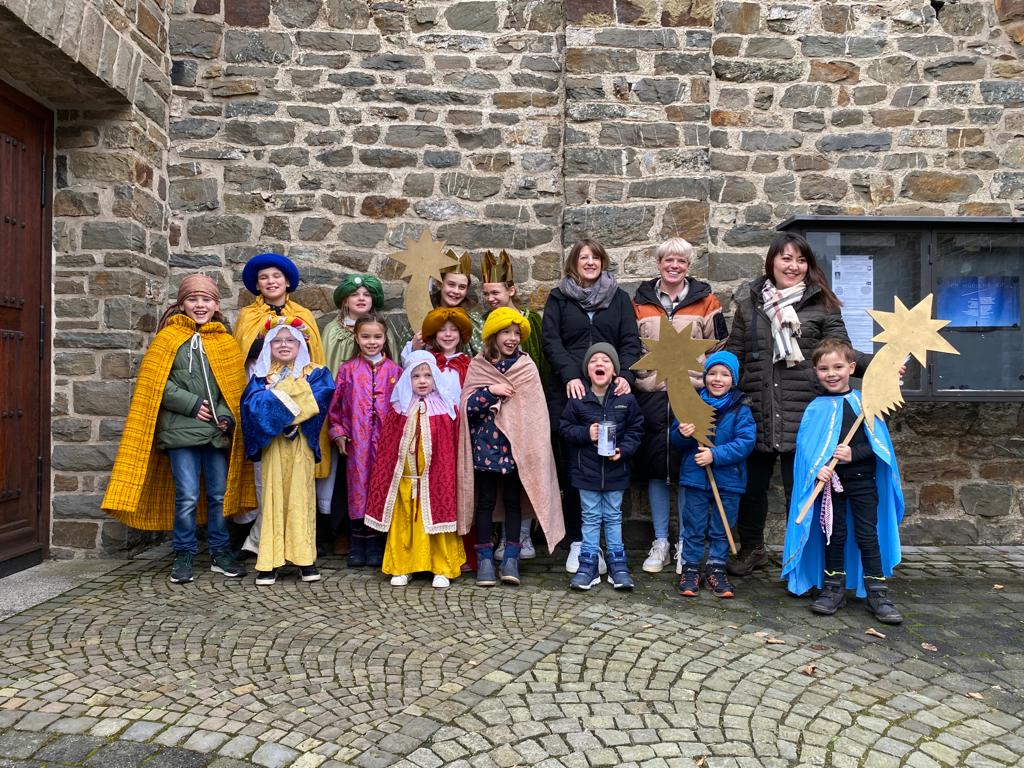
(423, 259)
(673, 356)
(904, 332)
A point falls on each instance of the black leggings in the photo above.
(487, 497)
(861, 492)
(754, 504)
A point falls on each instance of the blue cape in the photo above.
(803, 557)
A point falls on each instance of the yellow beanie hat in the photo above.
(502, 318)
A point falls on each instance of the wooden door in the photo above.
(26, 149)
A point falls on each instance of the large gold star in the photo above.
(673, 356)
(423, 259)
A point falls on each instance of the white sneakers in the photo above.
(679, 557)
(658, 557)
(526, 549)
(572, 562)
(440, 582)
(401, 581)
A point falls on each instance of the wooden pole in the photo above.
(831, 465)
(721, 509)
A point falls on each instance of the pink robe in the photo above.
(362, 398)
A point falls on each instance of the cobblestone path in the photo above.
(131, 670)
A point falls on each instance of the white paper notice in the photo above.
(853, 281)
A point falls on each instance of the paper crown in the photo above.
(464, 265)
(497, 269)
(294, 322)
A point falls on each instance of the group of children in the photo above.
(413, 463)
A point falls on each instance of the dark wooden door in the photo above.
(26, 149)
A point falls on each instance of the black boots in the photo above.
(879, 603)
(832, 596)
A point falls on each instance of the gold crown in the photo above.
(497, 269)
(464, 265)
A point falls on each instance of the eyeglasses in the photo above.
(284, 342)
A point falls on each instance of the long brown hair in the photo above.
(595, 247)
(815, 275)
(373, 319)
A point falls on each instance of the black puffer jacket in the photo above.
(568, 333)
(588, 470)
(778, 394)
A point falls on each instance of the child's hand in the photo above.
(622, 386)
(825, 473)
(703, 456)
(615, 456)
(843, 453)
(687, 430)
(502, 389)
(223, 425)
(204, 413)
(417, 341)
(341, 442)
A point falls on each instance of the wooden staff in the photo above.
(721, 509)
(831, 465)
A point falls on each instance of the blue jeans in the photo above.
(187, 465)
(658, 494)
(701, 519)
(601, 507)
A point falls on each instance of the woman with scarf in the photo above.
(586, 307)
(780, 318)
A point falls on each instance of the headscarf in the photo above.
(264, 363)
(353, 283)
(597, 296)
(442, 399)
(502, 318)
(193, 285)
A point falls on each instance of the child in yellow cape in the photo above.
(179, 429)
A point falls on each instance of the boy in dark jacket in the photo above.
(601, 479)
(735, 434)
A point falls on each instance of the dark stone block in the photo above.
(380, 207)
(387, 158)
(247, 13)
(259, 134)
(194, 195)
(217, 230)
(253, 178)
(488, 138)
(770, 141)
(435, 98)
(732, 189)
(336, 158)
(249, 109)
(84, 458)
(738, 18)
(587, 161)
(467, 187)
(801, 96)
(363, 235)
(657, 91)
(1005, 93)
(472, 235)
(183, 72)
(597, 61)
(844, 142)
(269, 47)
(77, 506)
(682, 64)
(393, 62)
(646, 135)
(446, 158)
(297, 13)
(752, 72)
(841, 46)
(473, 16)
(195, 38)
(986, 499)
(415, 136)
(686, 188)
(121, 235)
(894, 70)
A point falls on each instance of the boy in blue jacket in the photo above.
(735, 434)
(601, 480)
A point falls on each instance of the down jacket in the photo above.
(588, 470)
(734, 442)
(779, 394)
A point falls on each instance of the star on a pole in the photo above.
(423, 259)
(912, 330)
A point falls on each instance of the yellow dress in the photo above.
(410, 549)
(288, 532)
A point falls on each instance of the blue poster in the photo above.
(979, 302)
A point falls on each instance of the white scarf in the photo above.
(778, 305)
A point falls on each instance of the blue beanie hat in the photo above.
(263, 261)
(729, 360)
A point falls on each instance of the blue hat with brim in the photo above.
(262, 261)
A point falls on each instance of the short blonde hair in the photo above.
(674, 246)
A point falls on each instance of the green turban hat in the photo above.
(352, 283)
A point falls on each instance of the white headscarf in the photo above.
(264, 361)
(441, 400)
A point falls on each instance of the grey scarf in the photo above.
(597, 296)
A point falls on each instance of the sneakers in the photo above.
(832, 596)
(879, 603)
(658, 557)
(181, 572)
(586, 575)
(266, 578)
(485, 575)
(602, 566)
(224, 562)
(689, 584)
(747, 560)
(679, 557)
(309, 573)
(618, 570)
(401, 580)
(440, 582)
(717, 581)
(499, 551)
(527, 551)
(572, 562)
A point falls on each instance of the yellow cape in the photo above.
(141, 489)
(251, 319)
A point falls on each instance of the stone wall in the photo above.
(102, 67)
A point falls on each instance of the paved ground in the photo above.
(127, 669)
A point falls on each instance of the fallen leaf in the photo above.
(699, 761)
(874, 633)
(998, 586)
(732, 626)
(810, 669)
(929, 647)
(974, 695)
(774, 641)
(761, 634)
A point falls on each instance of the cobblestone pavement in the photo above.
(130, 670)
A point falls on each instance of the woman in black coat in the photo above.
(780, 318)
(585, 308)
